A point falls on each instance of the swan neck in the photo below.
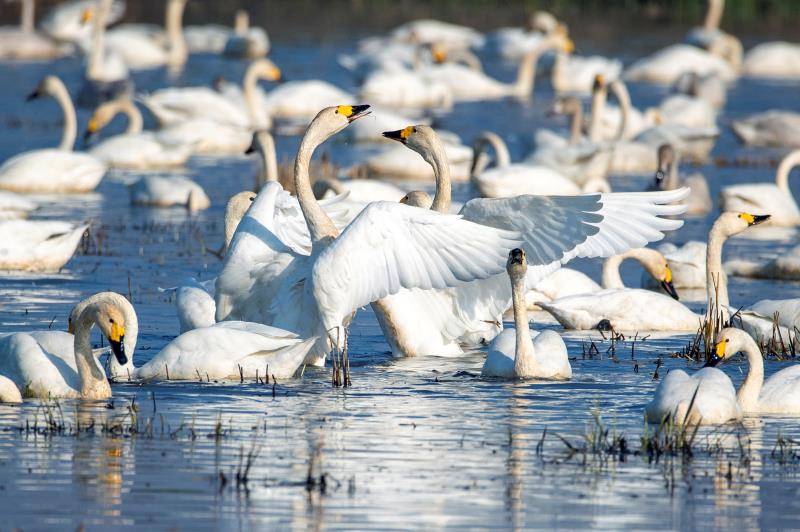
(523, 354)
(784, 169)
(751, 387)
(598, 107)
(178, 51)
(27, 16)
(575, 125)
(95, 66)
(135, 120)
(716, 282)
(624, 101)
(258, 118)
(69, 130)
(526, 73)
(502, 157)
(611, 277)
(672, 175)
(320, 226)
(437, 158)
(269, 159)
(714, 14)
(90, 373)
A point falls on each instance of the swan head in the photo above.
(419, 138)
(127, 327)
(542, 22)
(516, 265)
(656, 265)
(730, 341)
(264, 69)
(599, 83)
(418, 198)
(332, 120)
(732, 223)
(438, 53)
(101, 116)
(666, 159)
(49, 86)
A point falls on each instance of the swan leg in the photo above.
(340, 363)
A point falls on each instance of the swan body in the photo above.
(169, 191)
(66, 21)
(39, 246)
(770, 128)
(576, 74)
(563, 282)
(784, 267)
(301, 100)
(708, 88)
(370, 128)
(776, 60)
(195, 305)
(520, 354)
(582, 162)
(140, 151)
(9, 393)
(775, 199)
(692, 143)
(397, 162)
(144, 47)
(427, 31)
(666, 66)
(709, 392)
(174, 105)
(37, 374)
(206, 39)
(14, 206)
(24, 43)
(512, 44)
(205, 136)
(687, 111)
(51, 171)
(405, 88)
(246, 41)
(223, 350)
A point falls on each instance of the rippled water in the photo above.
(418, 443)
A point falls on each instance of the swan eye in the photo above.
(110, 320)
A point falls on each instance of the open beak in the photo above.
(118, 348)
(669, 288)
(359, 111)
(395, 135)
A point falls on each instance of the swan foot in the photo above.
(339, 357)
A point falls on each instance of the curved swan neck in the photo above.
(178, 51)
(269, 159)
(95, 65)
(611, 277)
(27, 16)
(784, 169)
(523, 354)
(241, 22)
(501, 155)
(599, 98)
(716, 282)
(235, 210)
(576, 122)
(135, 120)
(748, 392)
(320, 226)
(437, 158)
(526, 73)
(92, 377)
(714, 14)
(624, 100)
(69, 130)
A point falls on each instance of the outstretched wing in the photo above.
(559, 228)
(390, 246)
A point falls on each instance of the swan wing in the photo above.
(559, 228)
(390, 246)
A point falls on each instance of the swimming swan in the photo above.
(51, 171)
(667, 178)
(522, 353)
(24, 43)
(106, 76)
(771, 128)
(15, 206)
(38, 245)
(169, 191)
(37, 373)
(141, 49)
(773, 60)
(777, 199)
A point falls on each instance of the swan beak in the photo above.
(760, 218)
(401, 135)
(718, 355)
(358, 111)
(35, 94)
(116, 340)
(669, 288)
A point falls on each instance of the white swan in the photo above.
(667, 65)
(779, 394)
(405, 88)
(770, 128)
(106, 76)
(141, 48)
(14, 206)
(777, 199)
(228, 350)
(576, 74)
(376, 255)
(667, 178)
(299, 101)
(134, 149)
(427, 31)
(514, 354)
(51, 171)
(180, 104)
(169, 191)
(775, 60)
(24, 43)
(358, 193)
(67, 21)
(473, 314)
(785, 267)
(246, 41)
(398, 163)
(506, 180)
(704, 36)
(687, 262)
(38, 373)
(9, 393)
(709, 88)
(39, 246)
(512, 44)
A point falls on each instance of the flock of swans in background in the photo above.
(439, 276)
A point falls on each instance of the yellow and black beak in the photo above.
(754, 219)
(91, 129)
(718, 355)
(401, 135)
(117, 341)
(353, 112)
(667, 285)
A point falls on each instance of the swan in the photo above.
(246, 41)
(14, 206)
(703, 36)
(785, 267)
(67, 21)
(699, 201)
(687, 263)
(774, 60)
(379, 253)
(180, 104)
(577, 158)
(38, 373)
(514, 354)
(141, 49)
(229, 350)
(299, 101)
(775, 199)
(370, 129)
(779, 394)
(397, 162)
(576, 74)
(667, 65)
(24, 43)
(467, 84)
(169, 191)
(709, 88)
(508, 180)
(9, 393)
(405, 88)
(38, 246)
(473, 314)
(512, 44)
(427, 31)
(770, 128)
(106, 76)
(692, 143)
(51, 171)
(134, 149)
